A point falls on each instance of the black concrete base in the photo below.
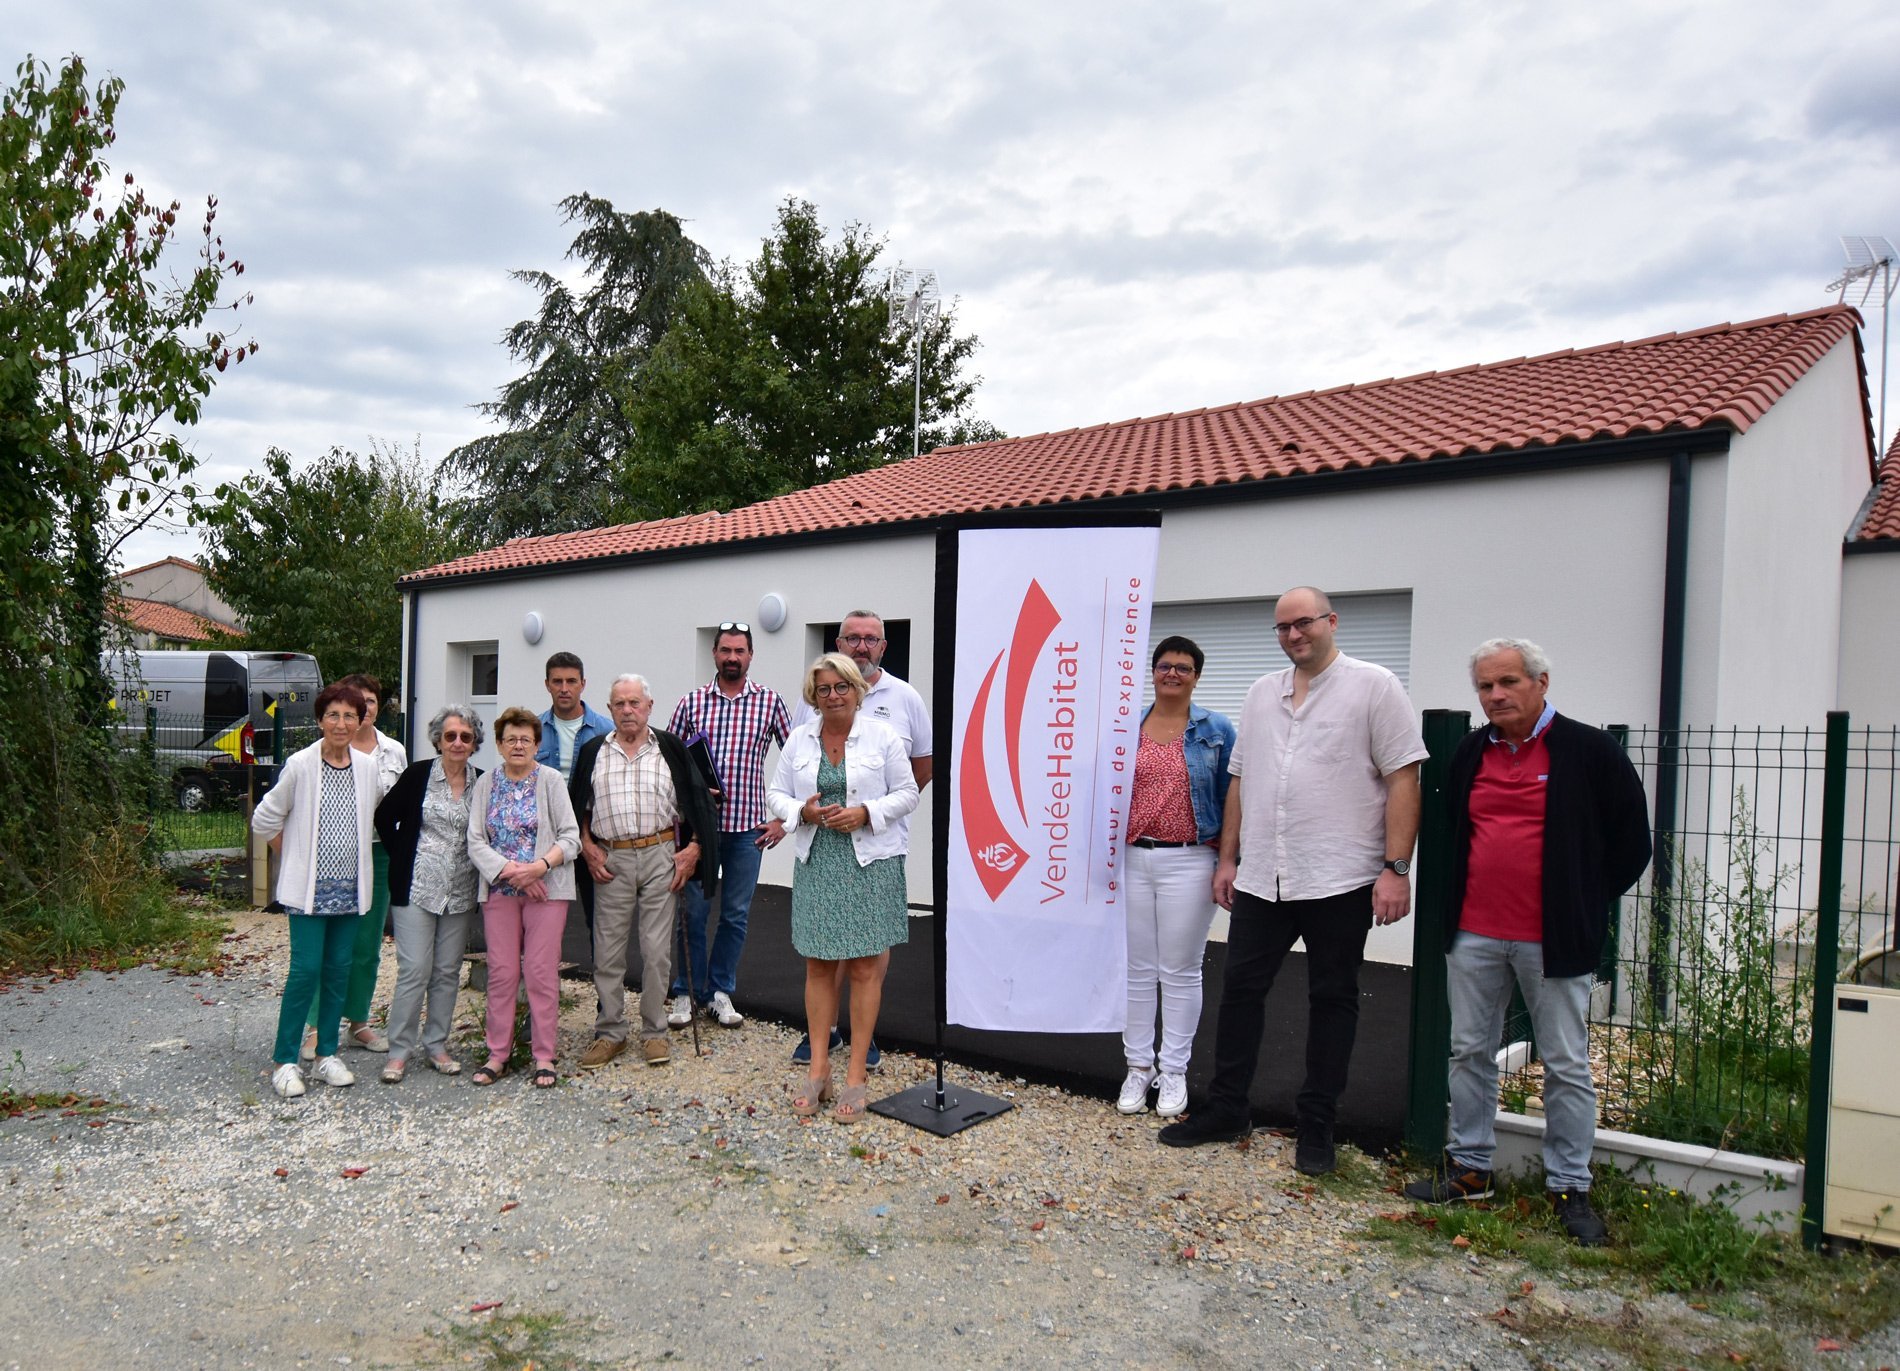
(952, 1111)
(1371, 1113)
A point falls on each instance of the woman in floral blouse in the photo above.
(523, 838)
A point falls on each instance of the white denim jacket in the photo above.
(877, 775)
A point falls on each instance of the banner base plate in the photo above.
(961, 1109)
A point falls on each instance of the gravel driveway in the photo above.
(677, 1214)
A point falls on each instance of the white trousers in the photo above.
(1170, 896)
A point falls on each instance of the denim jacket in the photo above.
(593, 725)
(1208, 745)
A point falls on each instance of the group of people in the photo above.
(1299, 820)
(620, 815)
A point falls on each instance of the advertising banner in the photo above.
(1051, 655)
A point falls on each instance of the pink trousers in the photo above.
(524, 942)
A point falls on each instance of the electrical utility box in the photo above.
(1863, 1126)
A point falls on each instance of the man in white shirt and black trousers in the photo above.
(1316, 843)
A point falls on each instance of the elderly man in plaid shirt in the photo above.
(740, 721)
(647, 822)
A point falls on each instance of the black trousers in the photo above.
(1259, 935)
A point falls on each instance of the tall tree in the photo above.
(310, 558)
(550, 469)
(107, 352)
(108, 346)
(787, 374)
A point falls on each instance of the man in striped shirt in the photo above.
(740, 721)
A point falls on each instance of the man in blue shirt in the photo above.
(569, 725)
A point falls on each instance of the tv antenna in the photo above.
(1870, 264)
(913, 304)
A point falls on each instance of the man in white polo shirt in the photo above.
(1322, 812)
(890, 701)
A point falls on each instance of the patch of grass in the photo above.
(179, 831)
(527, 1341)
(111, 912)
(16, 1098)
(1760, 1286)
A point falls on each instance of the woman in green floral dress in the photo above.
(842, 782)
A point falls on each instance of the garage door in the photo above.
(1237, 636)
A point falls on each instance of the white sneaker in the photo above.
(681, 1012)
(1134, 1096)
(724, 1012)
(287, 1081)
(308, 1052)
(331, 1071)
(1172, 1097)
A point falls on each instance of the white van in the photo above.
(216, 712)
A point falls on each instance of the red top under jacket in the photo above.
(1505, 874)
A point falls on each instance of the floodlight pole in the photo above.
(913, 307)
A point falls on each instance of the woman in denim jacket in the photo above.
(1174, 819)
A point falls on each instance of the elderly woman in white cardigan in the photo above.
(523, 839)
(318, 818)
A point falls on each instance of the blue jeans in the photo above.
(739, 858)
(1479, 973)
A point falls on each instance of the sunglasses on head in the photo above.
(734, 626)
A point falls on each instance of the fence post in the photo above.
(148, 754)
(1431, 1004)
(1827, 948)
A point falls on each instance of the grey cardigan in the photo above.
(554, 823)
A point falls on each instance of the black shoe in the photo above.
(1450, 1183)
(1313, 1153)
(801, 1055)
(1580, 1221)
(1204, 1126)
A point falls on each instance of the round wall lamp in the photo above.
(772, 612)
(532, 628)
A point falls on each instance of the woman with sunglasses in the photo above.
(1174, 818)
(842, 782)
(523, 838)
(423, 823)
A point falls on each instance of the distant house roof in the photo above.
(164, 561)
(167, 621)
(1879, 521)
(1725, 377)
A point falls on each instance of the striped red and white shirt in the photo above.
(739, 729)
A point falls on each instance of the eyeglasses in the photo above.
(1303, 625)
(1176, 669)
(859, 639)
(734, 626)
(517, 741)
(837, 688)
(340, 717)
(458, 737)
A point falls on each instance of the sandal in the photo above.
(445, 1064)
(489, 1072)
(851, 1104)
(392, 1072)
(812, 1099)
(545, 1077)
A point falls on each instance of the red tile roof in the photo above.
(1725, 376)
(1882, 520)
(163, 561)
(167, 621)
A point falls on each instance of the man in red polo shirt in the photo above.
(1549, 825)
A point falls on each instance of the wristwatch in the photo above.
(1399, 866)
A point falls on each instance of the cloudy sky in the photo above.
(1137, 208)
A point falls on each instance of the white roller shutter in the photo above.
(1237, 636)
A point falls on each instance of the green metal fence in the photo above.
(1775, 875)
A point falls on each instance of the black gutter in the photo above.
(409, 681)
(1675, 609)
(1862, 546)
(1466, 466)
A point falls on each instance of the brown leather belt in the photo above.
(664, 835)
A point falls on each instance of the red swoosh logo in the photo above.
(1035, 621)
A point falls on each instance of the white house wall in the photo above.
(1870, 639)
(1795, 481)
